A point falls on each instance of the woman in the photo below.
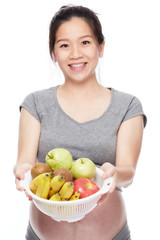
(86, 118)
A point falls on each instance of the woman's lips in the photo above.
(77, 66)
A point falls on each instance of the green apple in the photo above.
(83, 167)
(59, 158)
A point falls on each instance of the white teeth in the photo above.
(77, 65)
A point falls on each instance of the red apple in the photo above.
(85, 186)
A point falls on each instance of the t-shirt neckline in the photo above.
(86, 122)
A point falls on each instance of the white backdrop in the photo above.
(131, 63)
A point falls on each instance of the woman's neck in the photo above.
(89, 89)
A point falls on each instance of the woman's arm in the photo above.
(29, 133)
(129, 142)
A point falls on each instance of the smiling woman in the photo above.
(91, 121)
(66, 13)
(76, 50)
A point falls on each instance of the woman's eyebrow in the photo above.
(66, 39)
(84, 36)
(62, 40)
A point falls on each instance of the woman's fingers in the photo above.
(29, 197)
(17, 182)
(109, 171)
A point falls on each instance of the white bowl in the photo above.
(70, 211)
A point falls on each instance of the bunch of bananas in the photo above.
(54, 188)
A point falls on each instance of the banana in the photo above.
(56, 183)
(51, 193)
(75, 196)
(67, 190)
(56, 197)
(35, 182)
(44, 186)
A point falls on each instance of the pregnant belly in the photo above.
(104, 222)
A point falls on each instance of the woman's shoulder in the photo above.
(124, 99)
(39, 101)
(127, 104)
(121, 95)
(44, 93)
(42, 97)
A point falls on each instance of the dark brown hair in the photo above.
(66, 13)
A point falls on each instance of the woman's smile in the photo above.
(77, 66)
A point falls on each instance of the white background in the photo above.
(131, 63)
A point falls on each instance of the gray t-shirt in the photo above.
(95, 139)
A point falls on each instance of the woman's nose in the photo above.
(76, 52)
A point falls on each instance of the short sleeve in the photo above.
(29, 104)
(134, 109)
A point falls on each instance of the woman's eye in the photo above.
(85, 42)
(64, 46)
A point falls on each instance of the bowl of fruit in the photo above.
(64, 189)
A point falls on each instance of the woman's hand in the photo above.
(110, 171)
(19, 171)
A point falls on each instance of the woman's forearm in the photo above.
(124, 176)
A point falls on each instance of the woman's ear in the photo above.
(101, 49)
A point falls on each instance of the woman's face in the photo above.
(76, 50)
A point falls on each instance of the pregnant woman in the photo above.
(86, 118)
